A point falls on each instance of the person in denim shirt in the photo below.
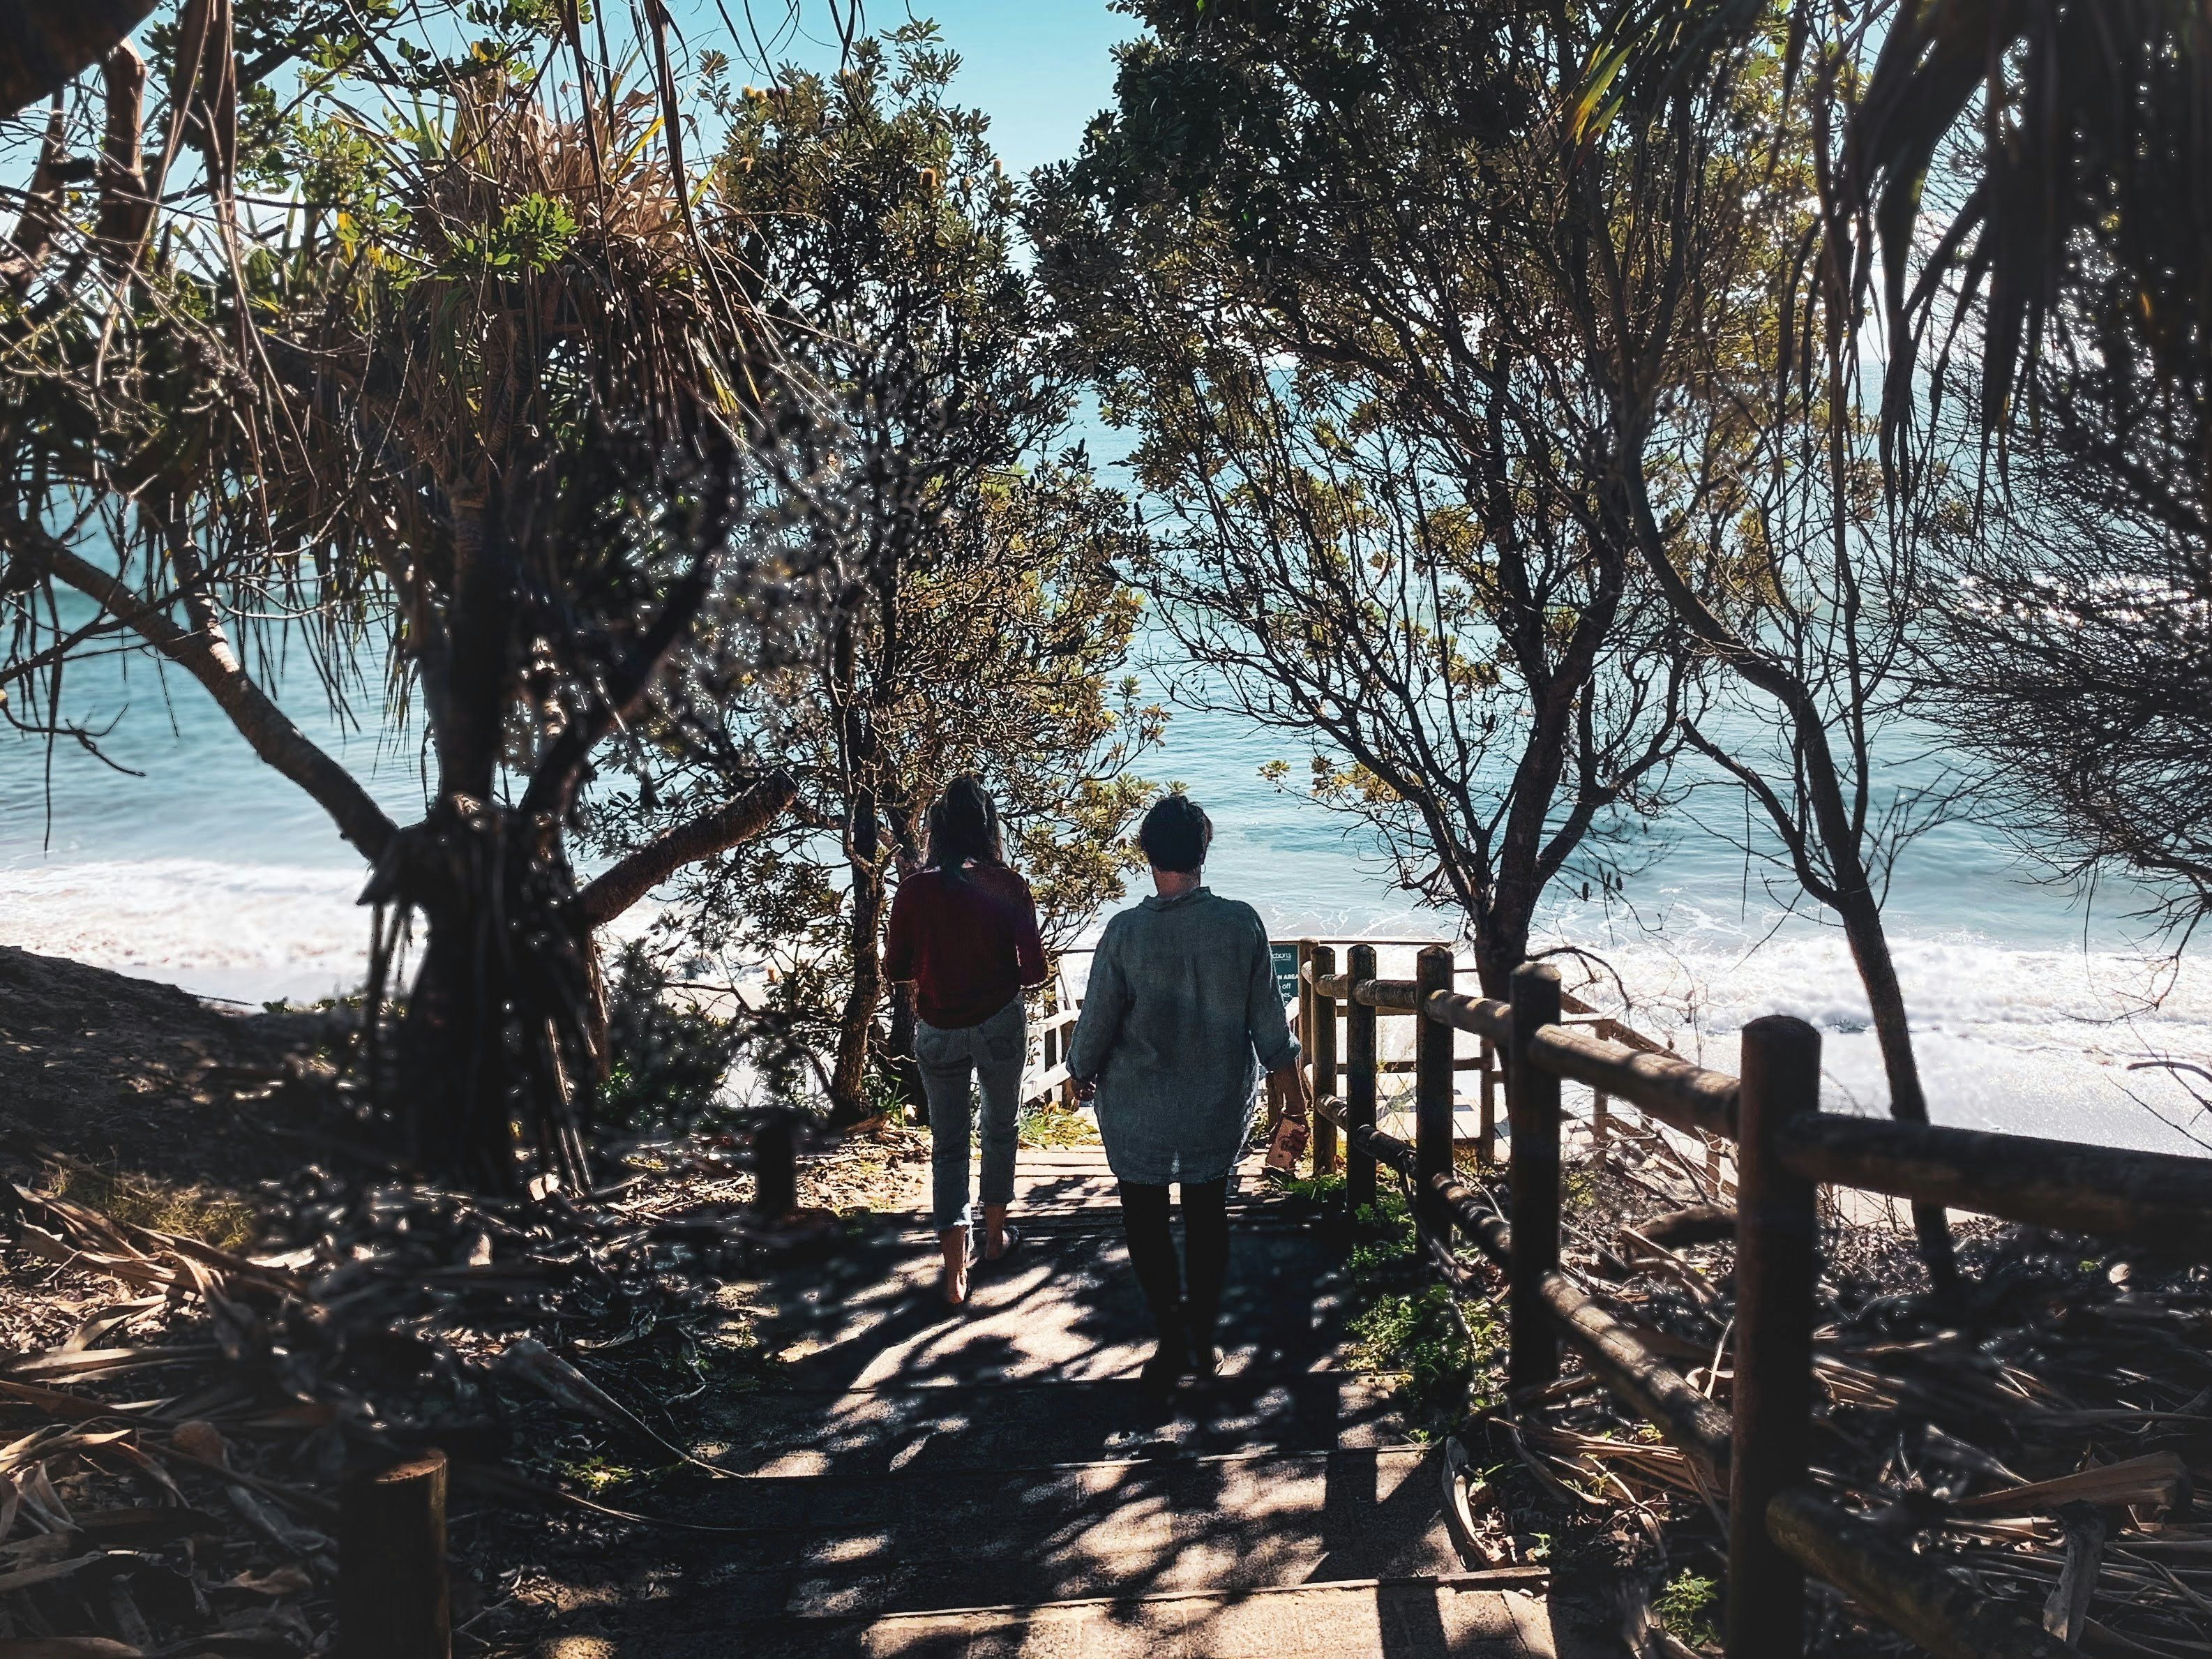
(1180, 1017)
(965, 930)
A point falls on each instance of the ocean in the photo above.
(2035, 1012)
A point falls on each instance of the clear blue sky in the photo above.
(1039, 69)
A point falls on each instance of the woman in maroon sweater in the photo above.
(965, 930)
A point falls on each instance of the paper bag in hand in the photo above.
(1288, 1145)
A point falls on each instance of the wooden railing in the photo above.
(1049, 1080)
(1780, 1527)
(1317, 975)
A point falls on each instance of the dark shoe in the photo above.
(1013, 1243)
(1170, 1359)
(1197, 1329)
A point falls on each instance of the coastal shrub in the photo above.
(667, 1058)
(995, 638)
(1445, 1350)
(1414, 1332)
(1686, 1607)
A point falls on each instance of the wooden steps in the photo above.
(1469, 1617)
(839, 1546)
(993, 1483)
(950, 1427)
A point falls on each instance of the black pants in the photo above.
(1197, 1290)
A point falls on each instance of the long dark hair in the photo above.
(963, 824)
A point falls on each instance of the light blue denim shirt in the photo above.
(1180, 1004)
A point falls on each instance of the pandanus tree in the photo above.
(566, 410)
(494, 400)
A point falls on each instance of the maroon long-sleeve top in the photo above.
(969, 942)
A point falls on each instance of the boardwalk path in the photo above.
(994, 1484)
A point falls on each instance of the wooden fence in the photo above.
(1780, 1527)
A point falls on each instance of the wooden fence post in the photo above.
(1776, 1262)
(1485, 1150)
(1532, 1105)
(1305, 1031)
(1324, 1061)
(393, 1601)
(1432, 1095)
(1062, 1001)
(1360, 1079)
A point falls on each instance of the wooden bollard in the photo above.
(1359, 1080)
(1432, 1096)
(1324, 1061)
(775, 1165)
(1532, 1104)
(394, 1598)
(1777, 1258)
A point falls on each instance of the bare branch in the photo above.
(611, 894)
(206, 655)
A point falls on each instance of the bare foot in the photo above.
(953, 1241)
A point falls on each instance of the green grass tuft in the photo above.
(1055, 1126)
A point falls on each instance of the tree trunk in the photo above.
(1851, 895)
(499, 1032)
(856, 1021)
(1869, 943)
(1855, 904)
(44, 47)
(1501, 944)
(903, 1070)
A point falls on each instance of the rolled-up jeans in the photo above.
(990, 1056)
